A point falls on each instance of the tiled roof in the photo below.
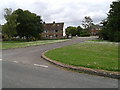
(53, 26)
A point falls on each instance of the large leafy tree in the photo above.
(79, 30)
(111, 30)
(71, 31)
(30, 25)
(9, 28)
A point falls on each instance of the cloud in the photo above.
(71, 12)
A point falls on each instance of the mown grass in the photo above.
(16, 44)
(92, 55)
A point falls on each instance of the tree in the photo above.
(30, 24)
(0, 28)
(111, 30)
(79, 30)
(9, 28)
(87, 22)
(71, 31)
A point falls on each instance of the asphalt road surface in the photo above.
(24, 68)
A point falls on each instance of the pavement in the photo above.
(24, 68)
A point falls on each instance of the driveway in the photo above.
(24, 68)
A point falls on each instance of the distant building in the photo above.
(53, 30)
(95, 29)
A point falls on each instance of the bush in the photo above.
(85, 34)
(117, 36)
(103, 34)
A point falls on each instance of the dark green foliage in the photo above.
(71, 31)
(84, 34)
(9, 28)
(103, 34)
(111, 30)
(0, 28)
(79, 30)
(30, 25)
(23, 24)
(117, 36)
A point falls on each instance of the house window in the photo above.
(56, 35)
(56, 30)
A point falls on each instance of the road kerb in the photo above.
(98, 72)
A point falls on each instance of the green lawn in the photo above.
(88, 54)
(16, 44)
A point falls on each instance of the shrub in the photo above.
(84, 33)
(117, 36)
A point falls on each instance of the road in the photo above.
(24, 68)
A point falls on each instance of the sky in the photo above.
(71, 12)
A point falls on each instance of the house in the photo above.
(53, 30)
(95, 29)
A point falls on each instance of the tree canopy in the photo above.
(72, 31)
(9, 29)
(79, 30)
(111, 30)
(22, 23)
(87, 22)
(30, 25)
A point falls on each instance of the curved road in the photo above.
(24, 68)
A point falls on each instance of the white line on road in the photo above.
(0, 59)
(41, 65)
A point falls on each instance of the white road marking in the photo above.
(0, 59)
(41, 65)
(15, 61)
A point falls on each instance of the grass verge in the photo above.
(16, 44)
(88, 54)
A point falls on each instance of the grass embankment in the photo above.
(16, 44)
(91, 54)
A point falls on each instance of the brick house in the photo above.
(53, 30)
(94, 30)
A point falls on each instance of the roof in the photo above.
(97, 26)
(53, 26)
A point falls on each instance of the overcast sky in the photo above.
(71, 12)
